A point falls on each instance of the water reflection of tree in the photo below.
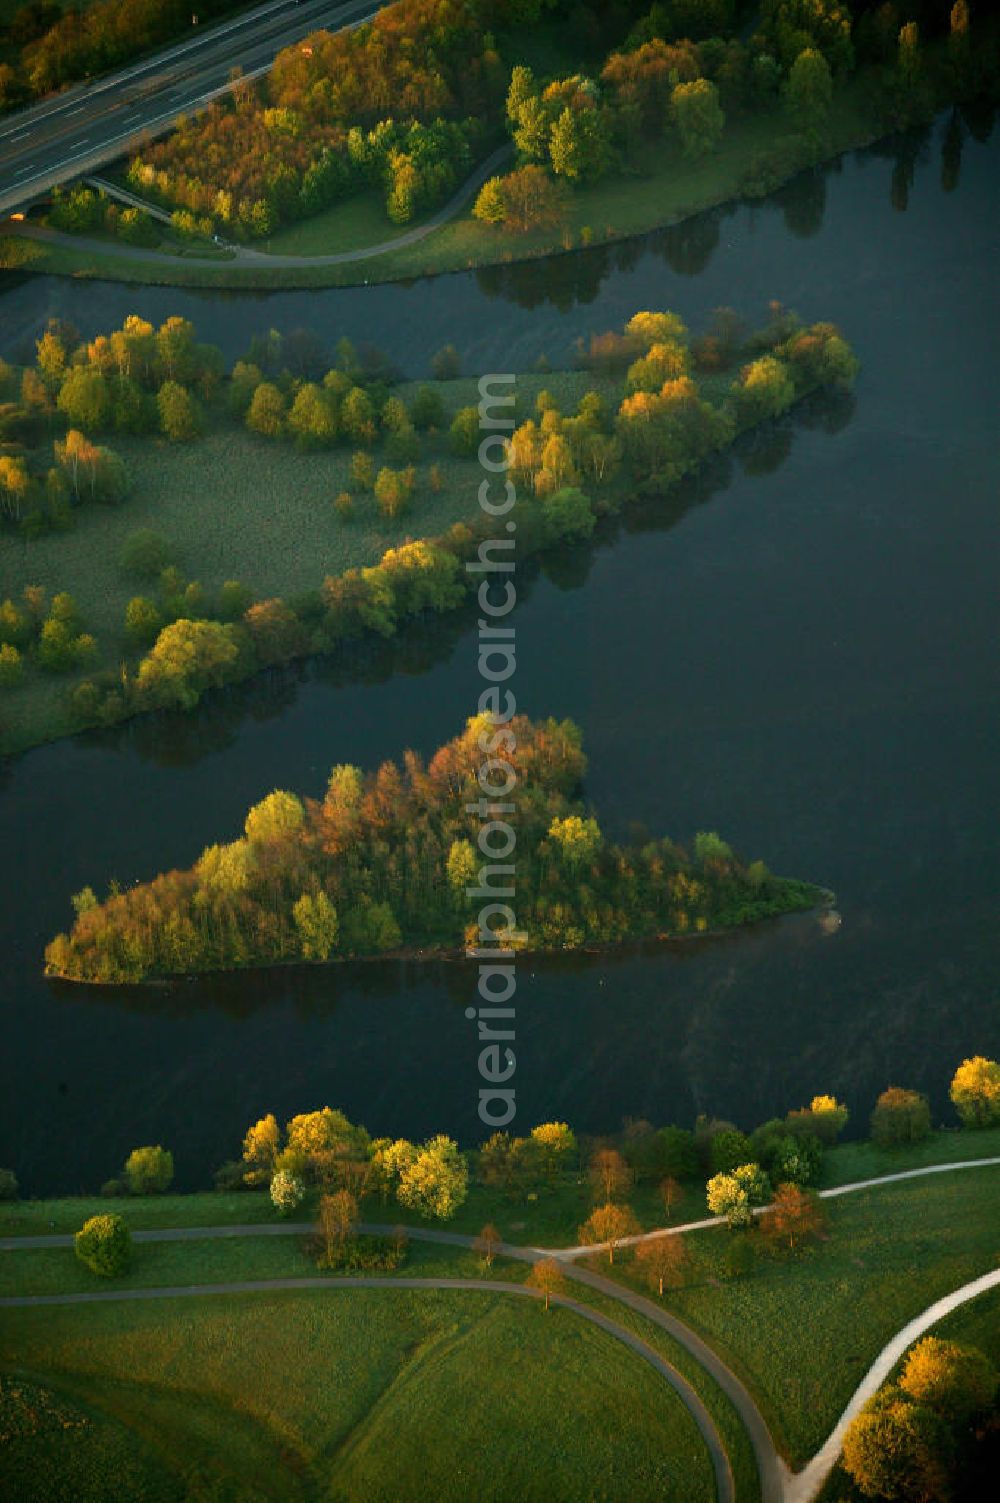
(803, 202)
(951, 152)
(182, 740)
(688, 247)
(563, 281)
(979, 116)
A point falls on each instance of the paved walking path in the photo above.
(831, 1194)
(244, 256)
(778, 1483)
(804, 1485)
(725, 1487)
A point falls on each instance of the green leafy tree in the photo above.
(809, 90)
(276, 818)
(266, 412)
(557, 1147)
(180, 414)
(145, 554)
(522, 88)
(464, 432)
(143, 621)
(900, 1116)
(490, 206)
(895, 1449)
(436, 1182)
(311, 418)
(316, 921)
(104, 1245)
(959, 1383)
(357, 416)
(149, 1170)
(698, 116)
(427, 409)
(578, 840)
(187, 658)
(579, 146)
(446, 364)
(362, 471)
(764, 390)
(735, 1194)
(85, 399)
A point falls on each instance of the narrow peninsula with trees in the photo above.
(365, 484)
(382, 864)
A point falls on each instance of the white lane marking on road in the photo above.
(79, 143)
(21, 135)
(22, 170)
(78, 111)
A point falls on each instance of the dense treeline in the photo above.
(570, 468)
(387, 860)
(685, 84)
(409, 100)
(56, 45)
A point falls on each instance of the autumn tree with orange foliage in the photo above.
(610, 1224)
(795, 1214)
(665, 1261)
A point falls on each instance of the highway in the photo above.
(83, 128)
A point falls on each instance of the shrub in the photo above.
(230, 1176)
(365, 1254)
(149, 1170)
(446, 365)
(104, 1245)
(344, 506)
(427, 409)
(8, 1185)
(287, 1191)
(728, 1149)
(900, 1116)
(113, 1188)
(145, 554)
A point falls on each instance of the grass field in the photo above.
(347, 226)
(664, 189)
(802, 1331)
(57, 1270)
(350, 1395)
(553, 1220)
(850, 1162)
(233, 506)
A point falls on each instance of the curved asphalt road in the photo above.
(75, 132)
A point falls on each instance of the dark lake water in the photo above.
(800, 651)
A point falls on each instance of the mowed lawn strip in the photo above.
(802, 1331)
(368, 1394)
